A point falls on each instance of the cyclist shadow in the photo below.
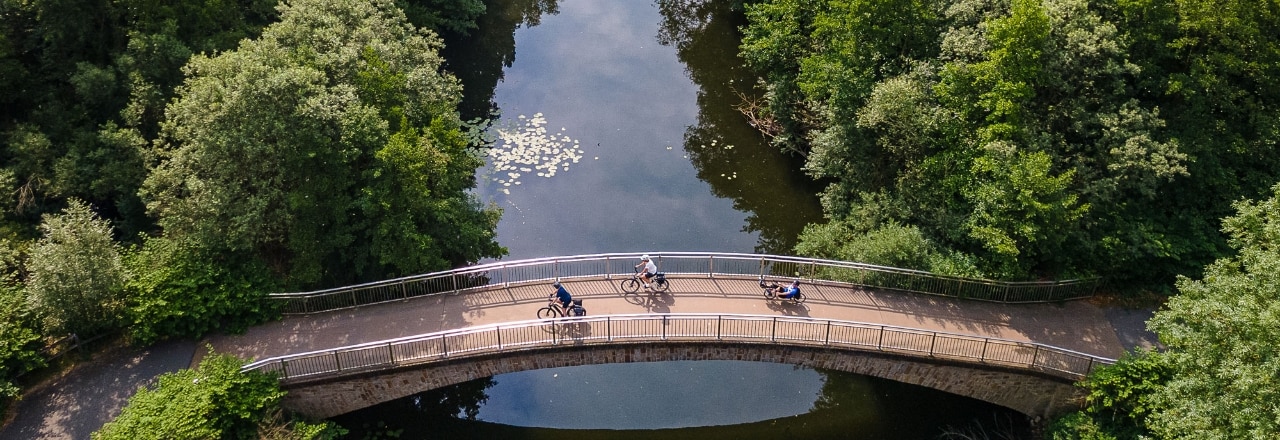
(569, 328)
(653, 302)
(788, 308)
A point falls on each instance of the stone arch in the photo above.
(1033, 394)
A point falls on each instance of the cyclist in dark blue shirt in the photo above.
(791, 291)
(562, 296)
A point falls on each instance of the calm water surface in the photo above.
(640, 99)
(666, 162)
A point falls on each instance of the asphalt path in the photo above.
(92, 393)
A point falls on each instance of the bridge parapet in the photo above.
(683, 264)
(525, 336)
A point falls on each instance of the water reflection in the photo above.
(729, 153)
(478, 57)
(639, 108)
(705, 399)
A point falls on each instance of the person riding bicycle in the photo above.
(562, 296)
(648, 271)
(790, 292)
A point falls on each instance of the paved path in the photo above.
(93, 393)
(1074, 325)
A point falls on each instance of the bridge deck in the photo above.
(1075, 325)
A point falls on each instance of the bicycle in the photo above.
(659, 283)
(771, 291)
(553, 309)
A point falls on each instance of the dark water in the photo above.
(704, 400)
(642, 149)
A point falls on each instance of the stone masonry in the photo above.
(1032, 394)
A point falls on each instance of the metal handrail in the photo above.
(510, 337)
(683, 264)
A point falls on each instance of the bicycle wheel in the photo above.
(798, 299)
(768, 294)
(548, 313)
(661, 285)
(631, 285)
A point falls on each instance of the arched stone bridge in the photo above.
(476, 322)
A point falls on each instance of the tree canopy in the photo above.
(1221, 332)
(1048, 138)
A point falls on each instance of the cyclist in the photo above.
(648, 271)
(562, 296)
(791, 291)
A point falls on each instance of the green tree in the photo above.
(1221, 333)
(333, 159)
(76, 278)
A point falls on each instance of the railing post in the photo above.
(608, 268)
(880, 342)
(1006, 292)
(454, 277)
(985, 343)
(826, 340)
(608, 328)
(353, 297)
(391, 354)
(711, 267)
(719, 324)
(664, 327)
(337, 361)
(284, 370)
(933, 342)
(404, 291)
(1035, 355)
(444, 345)
(498, 330)
(773, 334)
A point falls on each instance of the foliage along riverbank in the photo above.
(165, 166)
(1022, 138)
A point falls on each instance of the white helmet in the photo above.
(644, 257)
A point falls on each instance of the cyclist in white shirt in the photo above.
(649, 269)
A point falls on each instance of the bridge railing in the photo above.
(692, 328)
(683, 264)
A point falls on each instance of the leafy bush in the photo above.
(179, 290)
(215, 400)
(1120, 399)
(19, 341)
(1077, 426)
(891, 244)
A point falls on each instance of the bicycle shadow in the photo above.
(568, 328)
(653, 302)
(788, 308)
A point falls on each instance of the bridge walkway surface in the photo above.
(1074, 325)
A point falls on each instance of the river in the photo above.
(617, 130)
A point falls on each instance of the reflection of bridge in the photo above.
(449, 327)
